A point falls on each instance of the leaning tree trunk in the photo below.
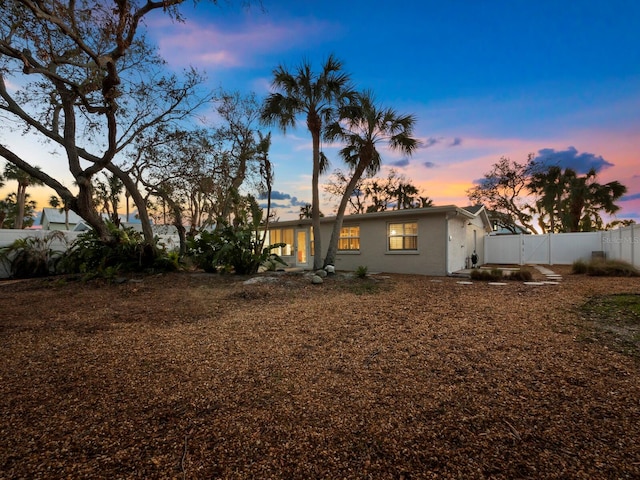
(138, 200)
(330, 259)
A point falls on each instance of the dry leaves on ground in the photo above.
(199, 376)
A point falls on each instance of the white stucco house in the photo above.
(428, 241)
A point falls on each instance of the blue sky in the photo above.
(484, 79)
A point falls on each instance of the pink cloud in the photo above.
(208, 45)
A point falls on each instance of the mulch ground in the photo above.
(195, 376)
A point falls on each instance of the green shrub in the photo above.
(232, 248)
(361, 271)
(33, 256)
(128, 252)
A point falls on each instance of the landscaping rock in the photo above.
(321, 273)
(316, 280)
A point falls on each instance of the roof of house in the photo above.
(409, 212)
(54, 215)
(475, 209)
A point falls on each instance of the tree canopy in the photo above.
(519, 194)
(87, 81)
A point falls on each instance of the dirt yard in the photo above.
(195, 376)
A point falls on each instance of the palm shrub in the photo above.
(361, 271)
(33, 256)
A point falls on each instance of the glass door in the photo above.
(302, 248)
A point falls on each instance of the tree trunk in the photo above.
(83, 206)
(315, 202)
(337, 226)
(21, 198)
(138, 200)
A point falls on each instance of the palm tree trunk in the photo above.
(315, 202)
(21, 198)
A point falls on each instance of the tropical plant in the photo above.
(33, 256)
(24, 179)
(9, 211)
(568, 202)
(237, 247)
(362, 126)
(128, 252)
(361, 271)
(316, 96)
(233, 248)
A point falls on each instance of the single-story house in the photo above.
(427, 241)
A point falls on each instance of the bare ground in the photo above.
(198, 376)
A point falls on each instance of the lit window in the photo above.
(349, 239)
(402, 236)
(281, 235)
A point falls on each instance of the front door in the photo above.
(302, 248)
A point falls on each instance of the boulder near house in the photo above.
(427, 241)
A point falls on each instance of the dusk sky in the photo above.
(484, 79)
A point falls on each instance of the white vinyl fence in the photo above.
(564, 248)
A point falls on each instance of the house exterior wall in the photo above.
(445, 240)
(428, 259)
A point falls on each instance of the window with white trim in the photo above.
(349, 239)
(402, 236)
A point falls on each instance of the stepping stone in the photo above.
(497, 283)
(533, 283)
(551, 283)
(465, 283)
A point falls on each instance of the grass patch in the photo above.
(604, 268)
(614, 320)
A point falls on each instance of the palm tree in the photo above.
(573, 203)
(316, 96)
(587, 198)
(362, 127)
(11, 172)
(549, 186)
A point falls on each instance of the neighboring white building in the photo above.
(54, 219)
(426, 241)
